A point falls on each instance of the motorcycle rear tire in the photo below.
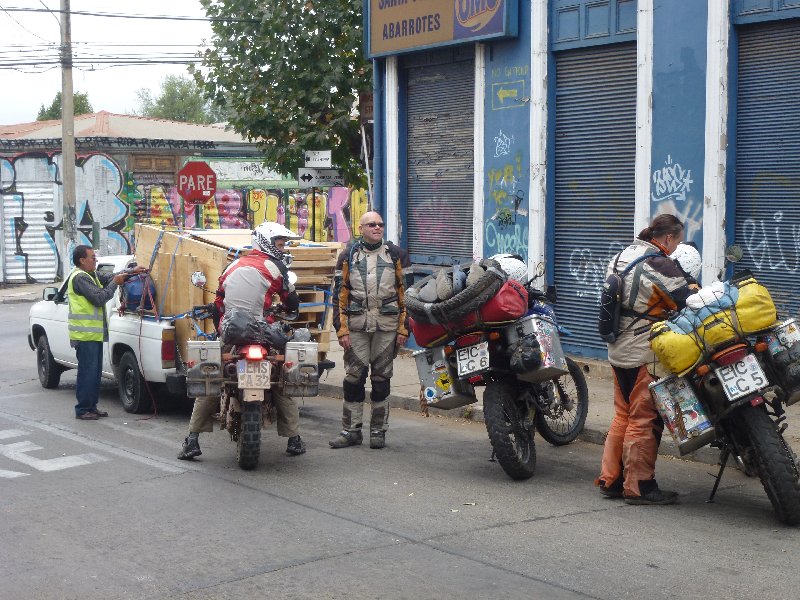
(513, 445)
(248, 446)
(774, 461)
(562, 428)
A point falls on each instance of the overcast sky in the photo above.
(27, 37)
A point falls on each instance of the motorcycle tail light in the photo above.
(254, 353)
(756, 401)
(448, 350)
(761, 346)
(468, 340)
(730, 355)
(702, 370)
(494, 336)
(475, 379)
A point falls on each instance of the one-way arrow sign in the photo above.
(308, 178)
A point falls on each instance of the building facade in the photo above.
(556, 129)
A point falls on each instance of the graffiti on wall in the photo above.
(110, 201)
(671, 182)
(506, 229)
(33, 213)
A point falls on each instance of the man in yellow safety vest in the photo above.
(88, 292)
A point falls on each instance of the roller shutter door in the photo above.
(768, 158)
(595, 153)
(440, 100)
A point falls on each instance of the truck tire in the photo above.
(513, 444)
(133, 391)
(774, 461)
(562, 423)
(49, 370)
(248, 446)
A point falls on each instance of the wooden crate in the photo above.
(173, 256)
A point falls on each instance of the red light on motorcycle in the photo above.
(702, 370)
(475, 379)
(254, 353)
(756, 401)
(289, 365)
(494, 336)
(761, 346)
(730, 355)
(448, 350)
(190, 363)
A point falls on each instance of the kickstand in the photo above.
(723, 460)
(491, 459)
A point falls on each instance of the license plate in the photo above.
(472, 359)
(742, 378)
(253, 374)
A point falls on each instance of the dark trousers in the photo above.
(90, 367)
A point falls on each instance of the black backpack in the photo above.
(611, 299)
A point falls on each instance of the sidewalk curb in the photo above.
(590, 434)
(12, 300)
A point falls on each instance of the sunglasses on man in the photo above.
(372, 224)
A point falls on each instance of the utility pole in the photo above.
(67, 132)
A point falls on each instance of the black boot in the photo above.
(190, 448)
(612, 491)
(651, 494)
(295, 446)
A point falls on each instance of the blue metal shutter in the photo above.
(440, 161)
(768, 158)
(595, 153)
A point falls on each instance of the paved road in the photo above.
(104, 510)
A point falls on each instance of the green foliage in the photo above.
(290, 72)
(180, 99)
(80, 104)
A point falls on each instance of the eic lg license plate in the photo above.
(472, 359)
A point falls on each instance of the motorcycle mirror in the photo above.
(539, 272)
(198, 279)
(733, 253)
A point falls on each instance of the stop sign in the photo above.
(197, 182)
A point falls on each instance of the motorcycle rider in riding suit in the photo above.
(249, 284)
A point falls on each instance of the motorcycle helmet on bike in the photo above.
(512, 265)
(688, 258)
(264, 239)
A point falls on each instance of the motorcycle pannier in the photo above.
(682, 413)
(441, 387)
(300, 371)
(554, 363)
(204, 376)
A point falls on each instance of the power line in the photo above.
(23, 27)
(135, 16)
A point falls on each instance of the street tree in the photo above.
(179, 99)
(290, 72)
(80, 103)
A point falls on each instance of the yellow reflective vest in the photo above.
(85, 321)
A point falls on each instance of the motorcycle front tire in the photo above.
(774, 461)
(513, 445)
(564, 427)
(248, 446)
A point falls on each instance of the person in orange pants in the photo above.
(652, 288)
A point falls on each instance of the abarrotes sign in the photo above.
(396, 26)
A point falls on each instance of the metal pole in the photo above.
(313, 214)
(67, 131)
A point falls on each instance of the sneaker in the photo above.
(613, 491)
(295, 446)
(190, 449)
(346, 438)
(653, 497)
(377, 439)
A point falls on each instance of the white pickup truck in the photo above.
(140, 353)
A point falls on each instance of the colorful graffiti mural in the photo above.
(31, 207)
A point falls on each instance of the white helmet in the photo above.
(264, 235)
(688, 258)
(512, 265)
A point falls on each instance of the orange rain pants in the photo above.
(632, 443)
